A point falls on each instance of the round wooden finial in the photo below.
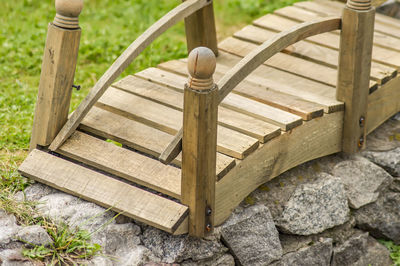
(201, 66)
(68, 13)
(359, 4)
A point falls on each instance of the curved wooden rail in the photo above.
(171, 18)
(253, 60)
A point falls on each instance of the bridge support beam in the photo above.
(58, 71)
(199, 143)
(354, 71)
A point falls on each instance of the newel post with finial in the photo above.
(199, 142)
(354, 71)
(58, 71)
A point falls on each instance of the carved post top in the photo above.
(359, 5)
(68, 12)
(201, 66)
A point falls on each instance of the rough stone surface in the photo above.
(351, 252)
(35, 192)
(315, 207)
(389, 160)
(377, 254)
(171, 248)
(362, 180)
(381, 218)
(252, 237)
(34, 235)
(224, 260)
(318, 253)
(8, 228)
(386, 137)
(13, 257)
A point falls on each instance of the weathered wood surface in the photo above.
(171, 18)
(123, 163)
(139, 136)
(55, 87)
(103, 190)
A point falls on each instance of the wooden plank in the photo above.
(139, 136)
(316, 138)
(331, 40)
(354, 69)
(383, 104)
(245, 124)
(123, 163)
(285, 82)
(306, 69)
(326, 9)
(55, 87)
(299, 14)
(87, 184)
(257, 91)
(171, 18)
(229, 142)
(315, 53)
(238, 103)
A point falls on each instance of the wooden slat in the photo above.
(282, 81)
(230, 142)
(331, 40)
(139, 136)
(316, 53)
(284, 120)
(298, 14)
(257, 91)
(123, 163)
(234, 120)
(312, 71)
(316, 138)
(136, 203)
(326, 9)
(123, 61)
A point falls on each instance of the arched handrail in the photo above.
(253, 60)
(123, 61)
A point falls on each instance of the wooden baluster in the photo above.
(58, 71)
(200, 29)
(354, 70)
(199, 141)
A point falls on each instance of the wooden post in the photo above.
(354, 71)
(58, 71)
(199, 143)
(200, 29)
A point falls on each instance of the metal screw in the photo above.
(361, 142)
(77, 87)
(208, 211)
(362, 121)
(208, 227)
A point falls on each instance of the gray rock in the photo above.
(389, 160)
(8, 228)
(252, 237)
(137, 256)
(175, 249)
(224, 260)
(14, 257)
(34, 235)
(315, 207)
(381, 218)
(318, 253)
(351, 252)
(116, 237)
(386, 137)
(34, 192)
(377, 254)
(395, 186)
(362, 180)
(100, 261)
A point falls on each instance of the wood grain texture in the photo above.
(171, 18)
(123, 163)
(229, 142)
(383, 104)
(55, 87)
(244, 124)
(87, 184)
(270, 48)
(316, 138)
(258, 91)
(315, 53)
(353, 72)
(139, 136)
(200, 29)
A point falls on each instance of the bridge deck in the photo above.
(283, 114)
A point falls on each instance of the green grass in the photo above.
(394, 251)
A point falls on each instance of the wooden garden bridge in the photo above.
(310, 80)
